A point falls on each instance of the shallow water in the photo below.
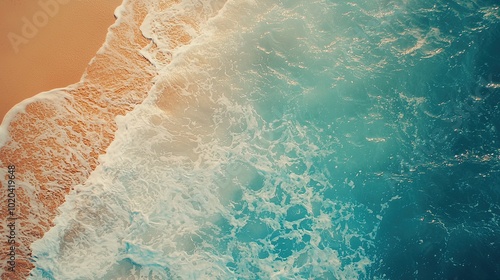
(290, 140)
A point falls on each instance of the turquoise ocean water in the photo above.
(314, 139)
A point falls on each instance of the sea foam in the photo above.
(197, 184)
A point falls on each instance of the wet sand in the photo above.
(58, 53)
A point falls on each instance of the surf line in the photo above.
(11, 218)
(49, 8)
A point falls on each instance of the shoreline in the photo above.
(62, 44)
(47, 167)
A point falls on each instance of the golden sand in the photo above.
(58, 53)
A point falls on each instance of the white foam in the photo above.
(119, 15)
(52, 96)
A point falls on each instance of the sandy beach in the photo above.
(65, 37)
(45, 170)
